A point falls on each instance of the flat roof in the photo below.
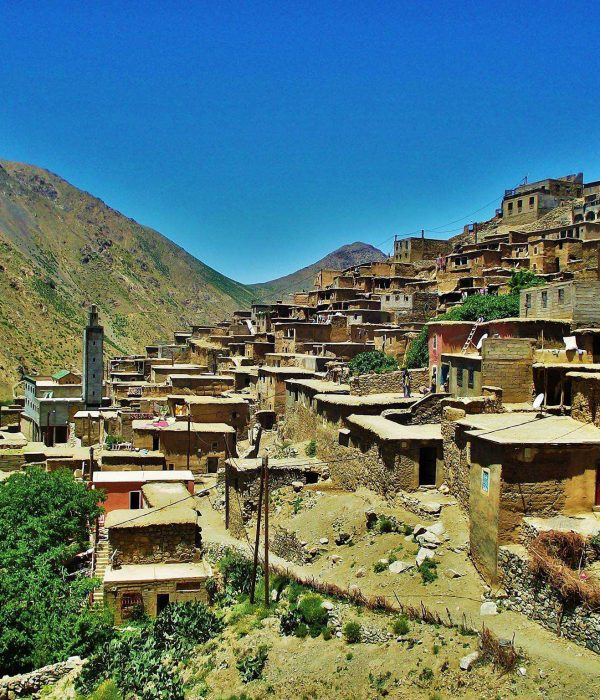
(181, 426)
(321, 386)
(142, 475)
(133, 573)
(286, 370)
(249, 464)
(179, 365)
(466, 356)
(205, 399)
(369, 400)
(389, 430)
(526, 429)
(579, 366)
(179, 514)
(161, 494)
(201, 376)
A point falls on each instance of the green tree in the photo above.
(487, 306)
(45, 615)
(376, 361)
(523, 279)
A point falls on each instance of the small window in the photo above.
(528, 301)
(485, 480)
(471, 380)
(520, 204)
(510, 207)
(135, 500)
(544, 299)
(561, 296)
(459, 376)
(535, 250)
(531, 202)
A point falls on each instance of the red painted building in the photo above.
(124, 489)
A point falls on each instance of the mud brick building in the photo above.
(572, 300)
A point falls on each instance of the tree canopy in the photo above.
(45, 614)
(376, 361)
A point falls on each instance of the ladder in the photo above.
(471, 336)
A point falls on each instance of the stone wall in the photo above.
(456, 456)
(508, 362)
(540, 602)
(300, 421)
(388, 383)
(585, 403)
(30, 684)
(155, 544)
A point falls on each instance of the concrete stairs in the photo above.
(102, 561)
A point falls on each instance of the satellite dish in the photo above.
(480, 343)
(539, 400)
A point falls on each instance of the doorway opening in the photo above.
(427, 465)
(212, 464)
(162, 600)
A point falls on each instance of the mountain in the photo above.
(347, 256)
(62, 249)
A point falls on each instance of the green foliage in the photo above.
(428, 571)
(141, 659)
(237, 573)
(311, 448)
(114, 439)
(375, 361)
(380, 566)
(351, 632)
(378, 682)
(426, 675)
(523, 279)
(45, 614)
(401, 625)
(385, 525)
(487, 306)
(297, 505)
(107, 690)
(182, 626)
(251, 665)
(313, 614)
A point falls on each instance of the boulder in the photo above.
(453, 573)
(361, 572)
(343, 538)
(488, 608)
(423, 554)
(418, 530)
(324, 540)
(297, 486)
(398, 567)
(328, 605)
(432, 508)
(430, 538)
(467, 661)
(437, 529)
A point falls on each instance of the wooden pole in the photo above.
(257, 538)
(266, 477)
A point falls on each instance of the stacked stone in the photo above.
(30, 684)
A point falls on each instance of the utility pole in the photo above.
(189, 433)
(266, 477)
(257, 538)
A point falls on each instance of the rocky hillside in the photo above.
(62, 249)
(348, 255)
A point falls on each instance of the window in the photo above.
(561, 296)
(535, 250)
(459, 376)
(510, 207)
(528, 301)
(471, 380)
(135, 500)
(485, 480)
(544, 300)
(520, 204)
(434, 342)
(531, 202)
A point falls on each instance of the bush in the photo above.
(380, 566)
(237, 573)
(312, 612)
(385, 525)
(400, 625)
(301, 630)
(327, 633)
(107, 690)
(376, 361)
(311, 448)
(251, 665)
(352, 632)
(182, 626)
(523, 279)
(426, 674)
(428, 571)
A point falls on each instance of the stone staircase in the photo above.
(102, 562)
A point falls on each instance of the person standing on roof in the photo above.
(406, 383)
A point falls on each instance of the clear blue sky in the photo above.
(262, 135)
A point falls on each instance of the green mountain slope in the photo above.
(347, 256)
(62, 249)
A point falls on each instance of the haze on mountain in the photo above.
(62, 249)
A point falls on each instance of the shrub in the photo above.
(301, 630)
(106, 691)
(289, 621)
(401, 625)
(523, 279)
(182, 626)
(352, 632)
(327, 633)
(426, 674)
(385, 525)
(313, 614)
(380, 566)
(375, 361)
(237, 573)
(251, 665)
(502, 656)
(428, 571)
(311, 448)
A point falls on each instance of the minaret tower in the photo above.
(93, 361)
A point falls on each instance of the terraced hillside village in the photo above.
(384, 486)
